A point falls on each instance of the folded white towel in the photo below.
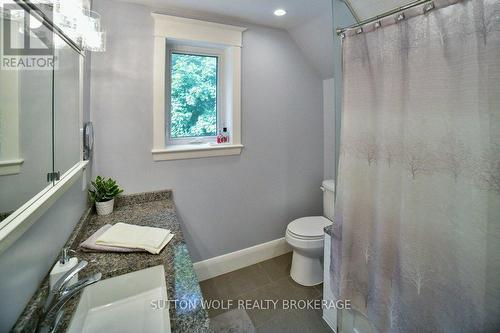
(90, 246)
(150, 239)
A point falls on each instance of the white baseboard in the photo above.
(226, 263)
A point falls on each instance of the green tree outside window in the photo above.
(193, 98)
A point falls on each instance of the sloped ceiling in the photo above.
(369, 8)
(315, 36)
(309, 22)
(315, 39)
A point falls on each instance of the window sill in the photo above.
(180, 152)
(10, 167)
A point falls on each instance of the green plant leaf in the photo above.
(104, 189)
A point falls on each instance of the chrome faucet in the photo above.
(62, 293)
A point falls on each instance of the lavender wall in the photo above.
(225, 203)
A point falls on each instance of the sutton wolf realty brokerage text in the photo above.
(266, 304)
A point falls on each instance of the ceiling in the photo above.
(251, 11)
(261, 11)
(309, 22)
(368, 8)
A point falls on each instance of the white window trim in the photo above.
(171, 29)
(10, 167)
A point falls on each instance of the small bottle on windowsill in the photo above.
(225, 135)
(220, 137)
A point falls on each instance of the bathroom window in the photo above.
(197, 88)
(194, 103)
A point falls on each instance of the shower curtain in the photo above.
(416, 241)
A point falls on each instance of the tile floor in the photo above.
(268, 280)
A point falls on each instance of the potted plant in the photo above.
(103, 192)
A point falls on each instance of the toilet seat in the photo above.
(308, 228)
(306, 237)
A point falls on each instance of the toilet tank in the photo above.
(328, 188)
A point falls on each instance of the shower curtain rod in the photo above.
(381, 16)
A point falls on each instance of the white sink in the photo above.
(133, 302)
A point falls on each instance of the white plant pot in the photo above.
(105, 208)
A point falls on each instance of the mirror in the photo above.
(67, 123)
(25, 125)
(39, 110)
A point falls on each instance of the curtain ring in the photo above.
(428, 7)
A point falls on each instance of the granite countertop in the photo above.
(155, 209)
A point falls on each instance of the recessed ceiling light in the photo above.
(280, 12)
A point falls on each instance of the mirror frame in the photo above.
(12, 227)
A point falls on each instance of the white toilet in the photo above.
(305, 235)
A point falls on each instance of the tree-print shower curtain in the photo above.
(416, 243)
